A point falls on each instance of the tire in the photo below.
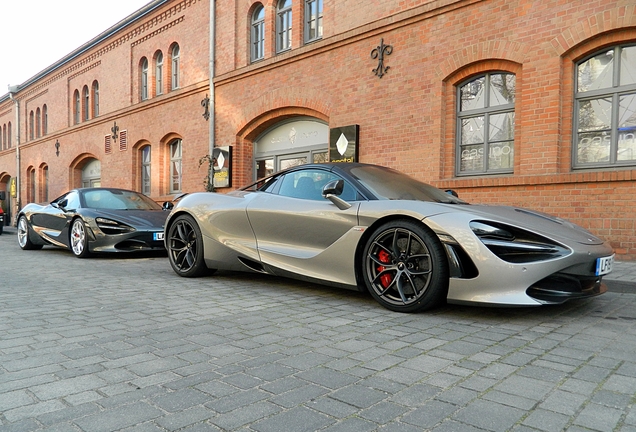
(405, 268)
(78, 239)
(1, 229)
(24, 235)
(185, 247)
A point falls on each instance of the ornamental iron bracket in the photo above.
(115, 131)
(379, 53)
(205, 103)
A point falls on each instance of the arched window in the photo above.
(38, 123)
(313, 20)
(3, 138)
(45, 120)
(258, 34)
(283, 25)
(159, 73)
(175, 166)
(95, 90)
(44, 183)
(174, 82)
(144, 79)
(9, 144)
(31, 184)
(145, 169)
(86, 104)
(486, 124)
(31, 126)
(605, 109)
(77, 107)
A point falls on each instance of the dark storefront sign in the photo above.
(343, 144)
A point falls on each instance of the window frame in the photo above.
(614, 93)
(175, 61)
(77, 107)
(158, 73)
(257, 34)
(486, 112)
(145, 178)
(86, 104)
(284, 21)
(31, 126)
(143, 75)
(45, 120)
(309, 19)
(176, 160)
(95, 94)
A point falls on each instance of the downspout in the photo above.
(212, 63)
(12, 91)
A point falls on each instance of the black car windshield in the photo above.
(113, 199)
(386, 183)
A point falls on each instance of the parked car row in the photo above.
(358, 226)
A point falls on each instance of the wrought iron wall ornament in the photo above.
(205, 103)
(57, 148)
(115, 131)
(379, 53)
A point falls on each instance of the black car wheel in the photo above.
(23, 235)
(79, 239)
(185, 247)
(405, 268)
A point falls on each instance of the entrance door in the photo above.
(92, 173)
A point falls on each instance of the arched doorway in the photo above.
(5, 195)
(92, 173)
(290, 143)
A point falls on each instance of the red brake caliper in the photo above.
(385, 279)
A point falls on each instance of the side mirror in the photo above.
(332, 192)
(334, 187)
(452, 192)
(167, 205)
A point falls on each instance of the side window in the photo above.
(308, 185)
(486, 124)
(605, 109)
(70, 201)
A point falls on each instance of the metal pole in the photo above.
(212, 63)
(12, 90)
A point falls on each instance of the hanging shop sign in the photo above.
(13, 190)
(222, 163)
(343, 144)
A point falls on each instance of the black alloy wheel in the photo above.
(405, 267)
(185, 247)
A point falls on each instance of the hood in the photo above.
(136, 218)
(541, 223)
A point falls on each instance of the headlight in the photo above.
(516, 245)
(109, 226)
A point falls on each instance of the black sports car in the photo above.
(91, 220)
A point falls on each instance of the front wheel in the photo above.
(24, 233)
(405, 268)
(79, 239)
(185, 247)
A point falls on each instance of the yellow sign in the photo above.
(12, 189)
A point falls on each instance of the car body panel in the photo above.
(260, 230)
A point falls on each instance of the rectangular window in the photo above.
(313, 20)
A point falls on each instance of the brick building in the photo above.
(515, 102)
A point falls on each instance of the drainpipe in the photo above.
(212, 63)
(16, 103)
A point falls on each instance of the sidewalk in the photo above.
(622, 279)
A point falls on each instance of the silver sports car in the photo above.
(94, 220)
(411, 245)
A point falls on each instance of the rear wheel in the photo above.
(185, 247)
(405, 268)
(24, 233)
(79, 239)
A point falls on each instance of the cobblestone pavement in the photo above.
(112, 343)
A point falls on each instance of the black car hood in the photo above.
(135, 218)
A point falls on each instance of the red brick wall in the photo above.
(407, 118)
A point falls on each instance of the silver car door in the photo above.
(299, 231)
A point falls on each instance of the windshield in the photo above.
(386, 183)
(113, 199)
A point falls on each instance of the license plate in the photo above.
(157, 236)
(604, 265)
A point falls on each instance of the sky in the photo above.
(34, 34)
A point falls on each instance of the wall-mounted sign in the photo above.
(13, 190)
(343, 144)
(222, 158)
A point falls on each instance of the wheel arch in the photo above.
(371, 229)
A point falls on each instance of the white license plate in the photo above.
(604, 265)
(157, 236)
